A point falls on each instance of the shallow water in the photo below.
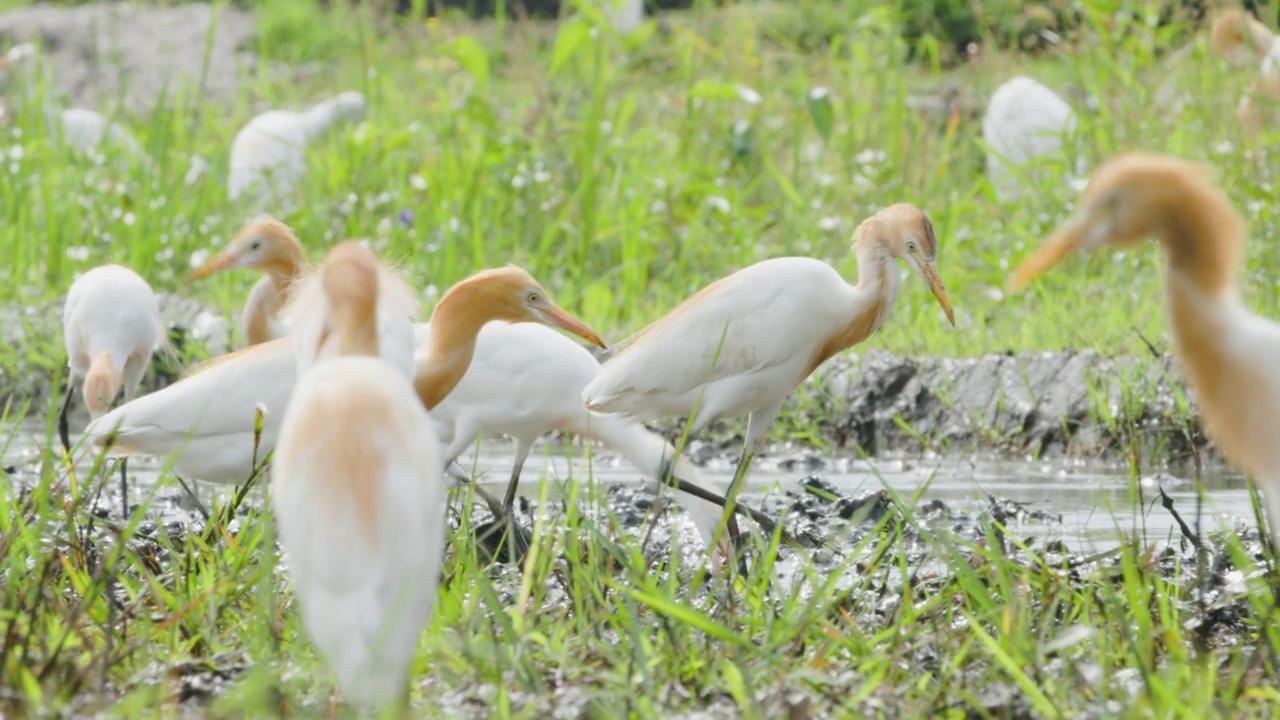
(1097, 502)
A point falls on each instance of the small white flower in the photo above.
(748, 95)
(79, 253)
(198, 258)
(417, 182)
(719, 203)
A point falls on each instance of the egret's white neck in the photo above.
(317, 119)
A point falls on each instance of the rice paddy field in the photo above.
(625, 172)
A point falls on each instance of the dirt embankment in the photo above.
(101, 53)
(1052, 404)
(1060, 404)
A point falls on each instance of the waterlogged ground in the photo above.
(1089, 507)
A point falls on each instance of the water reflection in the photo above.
(1097, 502)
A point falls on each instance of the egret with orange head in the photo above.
(743, 343)
(358, 490)
(270, 247)
(1226, 352)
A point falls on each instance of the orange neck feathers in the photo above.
(1202, 234)
(351, 282)
(455, 325)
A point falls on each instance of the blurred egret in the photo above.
(1025, 123)
(269, 153)
(358, 491)
(1227, 353)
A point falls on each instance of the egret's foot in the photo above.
(502, 540)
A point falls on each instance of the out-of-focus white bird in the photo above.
(1227, 353)
(79, 128)
(271, 247)
(1242, 41)
(624, 15)
(742, 344)
(270, 151)
(1025, 124)
(358, 490)
(111, 325)
(526, 380)
(206, 421)
(311, 333)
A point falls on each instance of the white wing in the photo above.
(771, 315)
(208, 417)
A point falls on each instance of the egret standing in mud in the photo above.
(1227, 353)
(272, 248)
(525, 381)
(743, 343)
(358, 490)
(111, 326)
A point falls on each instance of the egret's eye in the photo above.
(532, 298)
(255, 244)
(911, 246)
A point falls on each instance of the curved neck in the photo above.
(1203, 238)
(868, 303)
(455, 325)
(317, 119)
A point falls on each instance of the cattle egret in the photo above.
(526, 380)
(206, 421)
(743, 343)
(1242, 40)
(1227, 353)
(272, 248)
(269, 153)
(111, 325)
(1025, 124)
(358, 491)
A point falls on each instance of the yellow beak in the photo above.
(931, 276)
(221, 262)
(1066, 240)
(553, 315)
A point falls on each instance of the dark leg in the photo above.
(63, 431)
(510, 498)
(124, 488)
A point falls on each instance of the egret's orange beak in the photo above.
(553, 315)
(931, 276)
(1069, 238)
(221, 262)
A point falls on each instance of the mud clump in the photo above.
(1047, 404)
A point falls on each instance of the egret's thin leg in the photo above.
(124, 488)
(522, 453)
(64, 431)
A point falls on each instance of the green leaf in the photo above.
(819, 103)
(472, 56)
(572, 36)
(714, 90)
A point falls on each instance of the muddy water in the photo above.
(1098, 503)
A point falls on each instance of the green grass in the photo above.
(626, 174)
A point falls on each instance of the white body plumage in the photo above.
(270, 151)
(1025, 124)
(111, 325)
